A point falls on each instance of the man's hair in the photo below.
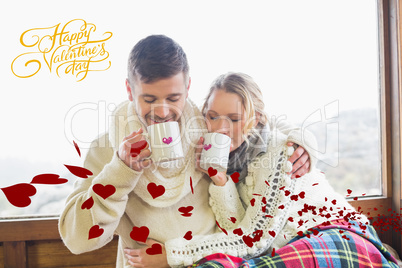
(156, 57)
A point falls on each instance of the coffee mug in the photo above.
(215, 151)
(165, 142)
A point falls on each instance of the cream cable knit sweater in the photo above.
(131, 205)
(266, 212)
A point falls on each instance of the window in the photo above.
(314, 60)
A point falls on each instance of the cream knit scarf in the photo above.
(175, 175)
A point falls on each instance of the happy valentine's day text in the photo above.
(70, 48)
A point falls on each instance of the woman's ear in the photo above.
(257, 118)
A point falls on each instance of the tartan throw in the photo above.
(336, 244)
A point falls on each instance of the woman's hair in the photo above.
(245, 87)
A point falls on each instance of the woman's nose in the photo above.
(224, 126)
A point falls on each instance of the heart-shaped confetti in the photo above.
(188, 235)
(77, 148)
(232, 219)
(248, 240)
(88, 203)
(186, 211)
(19, 194)
(140, 234)
(48, 179)
(104, 191)
(137, 147)
(154, 250)
(212, 172)
(235, 177)
(272, 233)
(79, 171)
(238, 231)
(155, 190)
(95, 232)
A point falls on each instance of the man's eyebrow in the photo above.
(169, 96)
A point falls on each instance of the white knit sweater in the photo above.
(132, 205)
(263, 203)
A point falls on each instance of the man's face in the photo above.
(160, 101)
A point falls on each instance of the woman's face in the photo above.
(225, 114)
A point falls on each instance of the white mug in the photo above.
(165, 142)
(215, 151)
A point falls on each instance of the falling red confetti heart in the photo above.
(257, 235)
(290, 219)
(252, 201)
(137, 147)
(287, 193)
(95, 232)
(139, 234)
(79, 171)
(238, 231)
(154, 250)
(334, 201)
(294, 197)
(281, 207)
(104, 191)
(155, 190)
(272, 233)
(273, 252)
(232, 219)
(19, 194)
(248, 240)
(314, 184)
(88, 203)
(191, 185)
(235, 177)
(349, 191)
(186, 211)
(223, 230)
(302, 195)
(212, 172)
(77, 148)
(188, 235)
(48, 179)
(267, 183)
(264, 200)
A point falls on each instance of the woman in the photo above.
(288, 221)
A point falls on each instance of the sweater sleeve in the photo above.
(76, 221)
(264, 217)
(226, 204)
(299, 136)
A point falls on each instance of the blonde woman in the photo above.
(288, 222)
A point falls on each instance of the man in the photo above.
(157, 87)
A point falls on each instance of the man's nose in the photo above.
(162, 111)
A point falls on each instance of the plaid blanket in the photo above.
(336, 244)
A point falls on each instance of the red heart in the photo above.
(248, 240)
(48, 179)
(154, 250)
(104, 191)
(140, 234)
(186, 211)
(77, 148)
(238, 231)
(232, 219)
(349, 191)
(212, 172)
(88, 203)
(79, 171)
(257, 235)
(294, 197)
(235, 177)
(252, 201)
(95, 232)
(272, 233)
(188, 235)
(155, 190)
(302, 195)
(19, 194)
(137, 147)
